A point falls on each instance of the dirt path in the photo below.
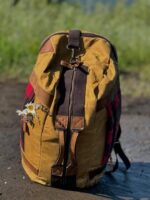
(135, 184)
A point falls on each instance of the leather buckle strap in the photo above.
(67, 178)
(72, 165)
(57, 168)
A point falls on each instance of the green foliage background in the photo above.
(24, 26)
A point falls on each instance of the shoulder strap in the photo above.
(119, 151)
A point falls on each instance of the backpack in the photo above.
(70, 122)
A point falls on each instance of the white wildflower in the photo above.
(22, 112)
(25, 112)
(30, 107)
(19, 112)
(29, 112)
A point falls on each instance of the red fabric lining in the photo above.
(29, 91)
(110, 137)
(112, 126)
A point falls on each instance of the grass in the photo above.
(136, 83)
(24, 26)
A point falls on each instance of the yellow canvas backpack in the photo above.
(70, 121)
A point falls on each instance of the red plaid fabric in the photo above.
(29, 93)
(113, 112)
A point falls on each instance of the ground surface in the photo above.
(135, 184)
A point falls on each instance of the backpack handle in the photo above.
(74, 39)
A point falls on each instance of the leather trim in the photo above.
(57, 170)
(48, 37)
(77, 123)
(61, 148)
(44, 97)
(71, 169)
(47, 47)
(61, 122)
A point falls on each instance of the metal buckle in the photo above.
(74, 55)
(117, 142)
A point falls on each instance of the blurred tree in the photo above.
(56, 1)
(15, 2)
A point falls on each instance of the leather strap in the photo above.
(67, 178)
(61, 148)
(72, 166)
(74, 39)
(57, 168)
